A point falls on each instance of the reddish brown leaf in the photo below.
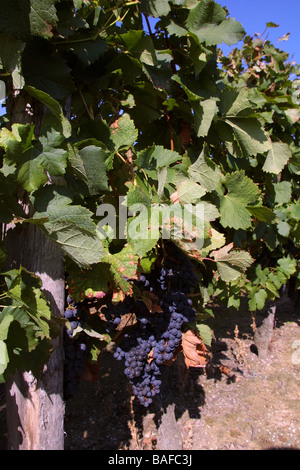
(195, 352)
(175, 197)
(152, 302)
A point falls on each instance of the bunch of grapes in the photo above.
(75, 349)
(156, 335)
(151, 333)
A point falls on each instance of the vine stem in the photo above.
(149, 26)
(208, 259)
(91, 114)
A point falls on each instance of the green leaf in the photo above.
(235, 103)
(93, 159)
(209, 23)
(4, 327)
(42, 17)
(283, 192)
(88, 51)
(53, 106)
(283, 228)
(73, 229)
(138, 193)
(25, 290)
(76, 163)
(156, 8)
(140, 46)
(191, 88)
(124, 266)
(257, 299)
(16, 141)
(10, 52)
(26, 347)
(123, 132)
(204, 114)
(53, 159)
(143, 229)
(189, 191)
(233, 205)
(175, 29)
(217, 240)
(250, 135)
(88, 282)
(264, 214)
(205, 333)
(157, 157)
(270, 24)
(277, 158)
(31, 174)
(231, 264)
(287, 266)
(205, 172)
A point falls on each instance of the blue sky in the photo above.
(254, 14)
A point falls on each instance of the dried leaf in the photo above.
(195, 352)
(152, 302)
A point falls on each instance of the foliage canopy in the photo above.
(154, 115)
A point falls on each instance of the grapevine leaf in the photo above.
(138, 193)
(90, 282)
(287, 266)
(164, 157)
(283, 192)
(194, 350)
(249, 134)
(235, 103)
(93, 159)
(140, 46)
(277, 158)
(205, 333)
(143, 230)
(89, 51)
(16, 141)
(204, 114)
(231, 264)
(24, 288)
(26, 347)
(10, 51)
(208, 22)
(257, 299)
(42, 17)
(51, 158)
(73, 229)
(264, 214)
(124, 266)
(156, 8)
(205, 172)
(189, 191)
(233, 206)
(53, 106)
(123, 132)
(31, 174)
(4, 327)
(217, 240)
